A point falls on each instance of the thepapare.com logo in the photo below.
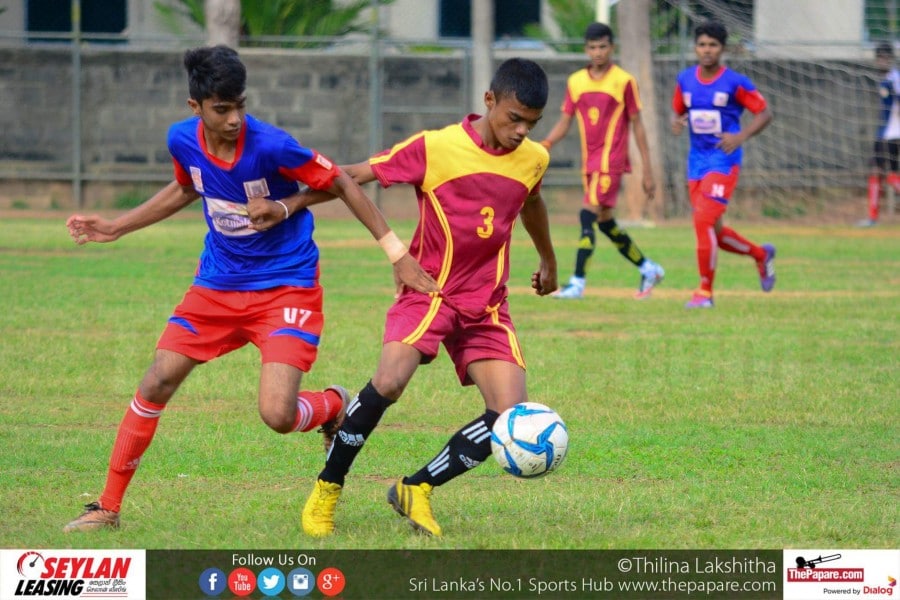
(115, 574)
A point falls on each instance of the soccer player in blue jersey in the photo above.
(258, 276)
(886, 156)
(709, 98)
(473, 181)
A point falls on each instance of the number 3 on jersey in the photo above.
(485, 231)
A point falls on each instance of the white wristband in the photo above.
(392, 246)
(287, 213)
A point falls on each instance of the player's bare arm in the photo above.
(361, 173)
(537, 224)
(640, 137)
(729, 142)
(165, 203)
(558, 131)
(678, 123)
(407, 270)
(266, 213)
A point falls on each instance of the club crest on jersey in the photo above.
(720, 99)
(257, 188)
(197, 179)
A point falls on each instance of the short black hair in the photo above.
(215, 71)
(598, 31)
(714, 29)
(523, 78)
(885, 49)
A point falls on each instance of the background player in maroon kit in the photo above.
(604, 100)
(473, 180)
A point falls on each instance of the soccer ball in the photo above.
(529, 440)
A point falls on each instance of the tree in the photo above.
(636, 58)
(223, 22)
(300, 18)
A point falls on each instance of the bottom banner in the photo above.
(801, 574)
(468, 574)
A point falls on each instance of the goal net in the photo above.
(814, 62)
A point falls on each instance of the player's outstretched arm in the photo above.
(537, 224)
(165, 203)
(407, 270)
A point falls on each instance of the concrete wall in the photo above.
(821, 136)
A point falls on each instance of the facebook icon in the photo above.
(213, 581)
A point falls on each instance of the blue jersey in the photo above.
(268, 162)
(714, 106)
(889, 115)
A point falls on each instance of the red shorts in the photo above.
(424, 323)
(601, 189)
(710, 195)
(285, 323)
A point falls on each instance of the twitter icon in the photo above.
(270, 581)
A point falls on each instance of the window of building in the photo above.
(97, 16)
(510, 17)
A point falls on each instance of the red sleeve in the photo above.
(678, 101)
(318, 173)
(752, 100)
(181, 176)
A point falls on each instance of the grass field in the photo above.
(770, 421)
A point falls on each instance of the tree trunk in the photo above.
(482, 52)
(223, 22)
(635, 57)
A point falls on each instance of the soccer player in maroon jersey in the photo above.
(603, 98)
(473, 180)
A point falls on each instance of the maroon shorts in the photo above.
(424, 323)
(285, 323)
(601, 189)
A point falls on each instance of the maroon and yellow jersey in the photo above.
(604, 108)
(469, 197)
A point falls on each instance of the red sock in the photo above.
(315, 408)
(894, 181)
(874, 195)
(135, 434)
(731, 241)
(707, 255)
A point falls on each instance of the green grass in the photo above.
(767, 422)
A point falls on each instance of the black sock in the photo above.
(587, 242)
(468, 448)
(621, 241)
(363, 415)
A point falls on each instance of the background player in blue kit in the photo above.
(710, 98)
(258, 276)
(886, 155)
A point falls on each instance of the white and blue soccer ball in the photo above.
(529, 440)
